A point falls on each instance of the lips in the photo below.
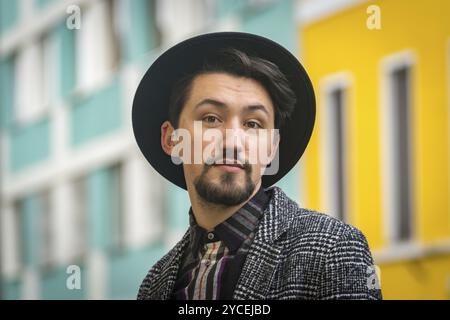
(230, 168)
(230, 163)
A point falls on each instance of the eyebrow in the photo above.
(222, 105)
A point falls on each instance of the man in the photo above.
(201, 113)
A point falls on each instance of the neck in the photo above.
(208, 215)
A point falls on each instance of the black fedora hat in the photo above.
(151, 101)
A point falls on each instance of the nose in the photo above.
(234, 137)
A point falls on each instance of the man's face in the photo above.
(238, 108)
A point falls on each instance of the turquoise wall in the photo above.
(127, 270)
(66, 55)
(11, 289)
(53, 285)
(99, 209)
(6, 91)
(97, 114)
(41, 4)
(30, 210)
(178, 205)
(275, 22)
(9, 14)
(141, 34)
(227, 7)
(29, 144)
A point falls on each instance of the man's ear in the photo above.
(166, 137)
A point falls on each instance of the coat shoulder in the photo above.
(328, 258)
(302, 222)
(321, 227)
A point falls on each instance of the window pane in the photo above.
(116, 206)
(79, 233)
(401, 100)
(337, 156)
(46, 245)
(67, 63)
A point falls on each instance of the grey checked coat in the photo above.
(296, 254)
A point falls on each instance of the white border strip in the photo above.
(401, 253)
(309, 11)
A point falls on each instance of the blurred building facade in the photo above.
(75, 190)
(379, 156)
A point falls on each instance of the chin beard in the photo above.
(227, 192)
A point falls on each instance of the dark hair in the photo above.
(238, 63)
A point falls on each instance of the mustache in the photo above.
(225, 158)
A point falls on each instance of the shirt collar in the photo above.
(236, 229)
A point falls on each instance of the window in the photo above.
(154, 28)
(113, 32)
(97, 43)
(46, 231)
(143, 202)
(336, 114)
(397, 145)
(179, 19)
(11, 240)
(335, 89)
(401, 139)
(47, 69)
(78, 233)
(34, 79)
(116, 194)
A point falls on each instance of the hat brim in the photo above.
(150, 105)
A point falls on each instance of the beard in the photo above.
(228, 192)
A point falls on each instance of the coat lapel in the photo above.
(265, 253)
(258, 270)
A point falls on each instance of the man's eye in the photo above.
(210, 119)
(253, 125)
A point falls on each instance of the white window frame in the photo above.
(95, 47)
(47, 240)
(180, 19)
(338, 81)
(34, 80)
(78, 217)
(388, 65)
(143, 202)
(12, 245)
(26, 9)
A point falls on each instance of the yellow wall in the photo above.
(425, 278)
(343, 43)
